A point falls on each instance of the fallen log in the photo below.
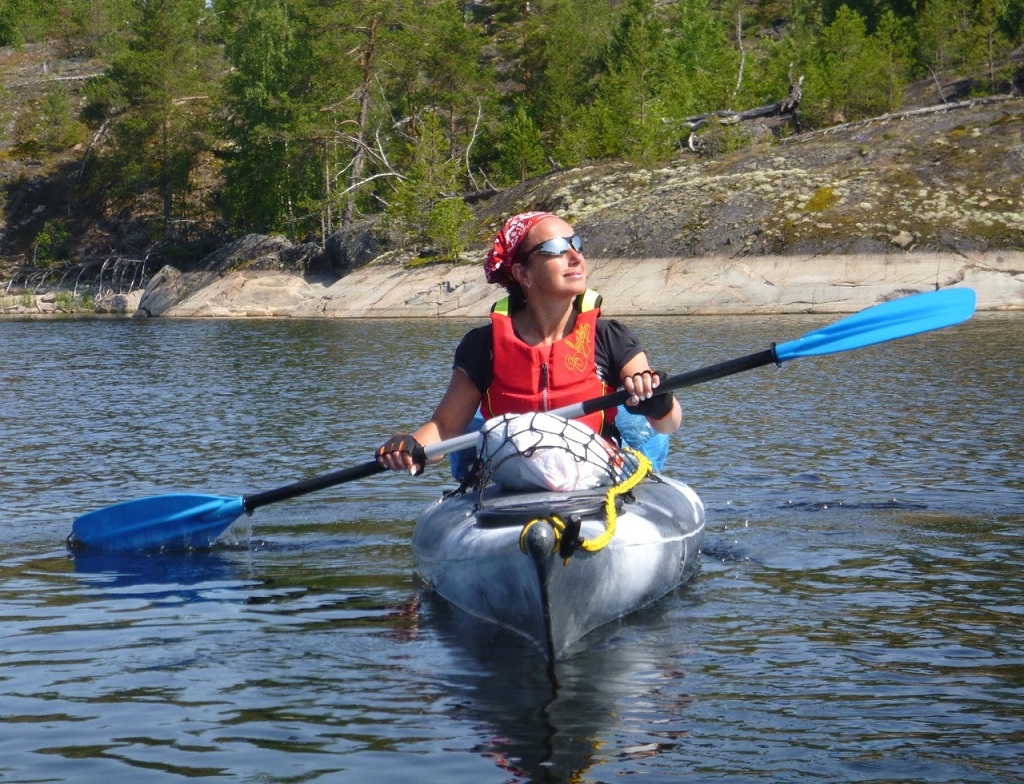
(780, 112)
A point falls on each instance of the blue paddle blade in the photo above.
(898, 318)
(164, 522)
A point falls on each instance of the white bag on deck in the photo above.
(531, 451)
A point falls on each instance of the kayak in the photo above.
(548, 565)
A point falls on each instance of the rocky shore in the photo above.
(829, 221)
(710, 285)
(654, 286)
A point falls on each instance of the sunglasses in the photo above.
(556, 246)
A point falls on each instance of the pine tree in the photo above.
(22, 21)
(627, 118)
(307, 110)
(854, 84)
(521, 151)
(891, 44)
(707, 77)
(432, 179)
(157, 100)
(564, 75)
(941, 28)
(263, 50)
(986, 45)
(456, 81)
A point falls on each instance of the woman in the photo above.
(545, 346)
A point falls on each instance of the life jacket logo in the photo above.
(579, 344)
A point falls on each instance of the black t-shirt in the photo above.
(614, 347)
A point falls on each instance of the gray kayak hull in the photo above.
(474, 553)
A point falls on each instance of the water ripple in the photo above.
(857, 616)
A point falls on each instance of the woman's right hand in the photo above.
(402, 452)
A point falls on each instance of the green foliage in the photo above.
(48, 125)
(92, 24)
(986, 44)
(1011, 22)
(62, 128)
(446, 226)
(556, 80)
(853, 73)
(156, 102)
(263, 43)
(106, 26)
(891, 45)
(871, 11)
(941, 28)
(414, 211)
(10, 23)
(521, 154)
(307, 115)
(708, 61)
(850, 86)
(23, 21)
(64, 301)
(52, 243)
(629, 106)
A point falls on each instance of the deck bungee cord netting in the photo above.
(542, 452)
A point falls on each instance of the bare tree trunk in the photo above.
(325, 217)
(166, 185)
(743, 56)
(359, 161)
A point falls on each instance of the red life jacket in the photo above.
(528, 378)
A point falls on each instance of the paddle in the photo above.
(898, 318)
(195, 521)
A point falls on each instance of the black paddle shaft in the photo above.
(694, 377)
(253, 502)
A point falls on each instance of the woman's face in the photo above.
(559, 269)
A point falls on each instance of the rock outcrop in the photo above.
(656, 286)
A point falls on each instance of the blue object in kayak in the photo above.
(462, 461)
(637, 433)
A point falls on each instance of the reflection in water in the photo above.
(553, 723)
(538, 723)
(187, 576)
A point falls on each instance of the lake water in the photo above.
(858, 615)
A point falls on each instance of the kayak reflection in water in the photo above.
(546, 346)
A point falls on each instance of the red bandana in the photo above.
(501, 256)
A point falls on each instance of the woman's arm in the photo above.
(450, 419)
(453, 414)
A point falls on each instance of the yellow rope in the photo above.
(643, 467)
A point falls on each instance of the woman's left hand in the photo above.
(641, 385)
(645, 400)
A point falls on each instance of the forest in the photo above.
(215, 118)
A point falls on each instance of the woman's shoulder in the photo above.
(613, 329)
(616, 344)
(477, 335)
(473, 356)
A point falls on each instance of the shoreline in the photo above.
(652, 286)
(713, 285)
